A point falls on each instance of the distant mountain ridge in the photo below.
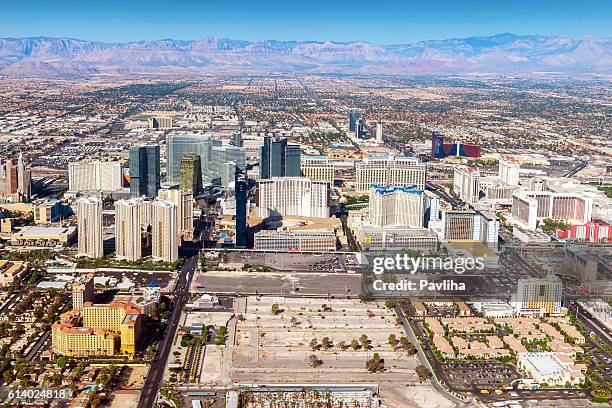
(502, 54)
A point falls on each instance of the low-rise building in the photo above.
(323, 241)
(43, 235)
(11, 270)
(546, 367)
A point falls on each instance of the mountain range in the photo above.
(498, 54)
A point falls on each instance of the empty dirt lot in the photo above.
(276, 348)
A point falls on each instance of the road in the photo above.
(156, 371)
(38, 345)
(519, 260)
(423, 358)
(576, 169)
(455, 202)
(590, 323)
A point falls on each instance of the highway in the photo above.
(181, 296)
(590, 323)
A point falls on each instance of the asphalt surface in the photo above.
(591, 323)
(423, 359)
(156, 371)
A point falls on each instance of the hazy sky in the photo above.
(379, 21)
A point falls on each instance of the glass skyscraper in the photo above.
(241, 187)
(293, 161)
(264, 161)
(191, 174)
(145, 178)
(353, 119)
(218, 163)
(279, 159)
(179, 146)
(225, 162)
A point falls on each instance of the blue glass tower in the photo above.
(241, 187)
(145, 174)
(293, 161)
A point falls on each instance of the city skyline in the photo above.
(413, 200)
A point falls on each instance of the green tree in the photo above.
(365, 342)
(375, 364)
(422, 372)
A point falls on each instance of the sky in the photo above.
(376, 21)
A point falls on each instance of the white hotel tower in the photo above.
(89, 222)
(299, 196)
(390, 171)
(94, 175)
(509, 170)
(128, 229)
(396, 207)
(164, 220)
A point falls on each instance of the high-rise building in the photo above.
(191, 174)
(24, 178)
(439, 149)
(98, 329)
(179, 146)
(145, 174)
(359, 129)
(379, 131)
(82, 291)
(530, 207)
(10, 178)
(226, 161)
(318, 168)
(293, 159)
(432, 205)
(160, 122)
(241, 188)
(390, 171)
(470, 226)
(299, 196)
(183, 200)
(264, 158)
(466, 184)
(509, 170)
(237, 139)
(538, 297)
(89, 221)
(353, 119)
(278, 159)
(128, 226)
(164, 220)
(396, 207)
(218, 163)
(95, 175)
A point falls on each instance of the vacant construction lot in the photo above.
(276, 338)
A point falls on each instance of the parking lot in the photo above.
(335, 284)
(283, 261)
(470, 376)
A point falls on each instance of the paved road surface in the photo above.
(421, 354)
(181, 295)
